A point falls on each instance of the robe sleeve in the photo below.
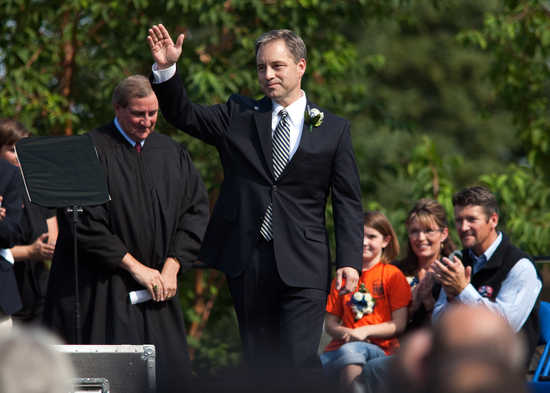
(97, 240)
(193, 216)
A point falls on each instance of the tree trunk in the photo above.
(69, 48)
(203, 302)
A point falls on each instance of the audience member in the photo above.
(30, 364)
(364, 324)
(429, 240)
(471, 350)
(11, 209)
(492, 272)
(38, 234)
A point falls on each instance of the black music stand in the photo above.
(63, 172)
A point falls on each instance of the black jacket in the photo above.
(323, 165)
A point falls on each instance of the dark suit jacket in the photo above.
(12, 191)
(324, 163)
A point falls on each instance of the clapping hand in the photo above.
(423, 291)
(41, 250)
(452, 275)
(164, 52)
(424, 287)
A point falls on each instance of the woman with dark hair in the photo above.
(429, 240)
(38, 233)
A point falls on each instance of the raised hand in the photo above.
(164, 52)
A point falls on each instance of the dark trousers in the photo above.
(280, 326)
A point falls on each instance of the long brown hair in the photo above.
(425, 211)
(11, 131)
(379, 222)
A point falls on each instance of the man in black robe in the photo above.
(141, 239)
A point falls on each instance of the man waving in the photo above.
(282, 158)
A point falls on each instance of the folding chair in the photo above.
(543, 367)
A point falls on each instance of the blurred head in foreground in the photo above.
(470, 349)
(30, 364)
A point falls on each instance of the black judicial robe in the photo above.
(32, 276)
(158, 209)
(11, 189)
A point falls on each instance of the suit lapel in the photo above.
(262, 117)
(306, 138)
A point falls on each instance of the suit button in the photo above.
(274, 188)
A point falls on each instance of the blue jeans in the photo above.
(376, 374)
(356, 352)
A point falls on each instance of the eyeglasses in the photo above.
(429, 232)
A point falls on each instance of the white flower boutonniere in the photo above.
(362, 303)
(313, 117)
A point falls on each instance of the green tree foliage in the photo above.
(517, 35)
(524, 198)
(430, 86)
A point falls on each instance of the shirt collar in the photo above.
(130, 140)
(492, 248)
(295, 110)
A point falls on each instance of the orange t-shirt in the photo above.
(390, 290)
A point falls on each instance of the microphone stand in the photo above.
(74, 211)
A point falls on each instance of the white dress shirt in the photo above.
(516, 297)
(296, 112)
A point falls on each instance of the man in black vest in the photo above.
(492, 272)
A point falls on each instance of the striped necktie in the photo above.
(281, 155)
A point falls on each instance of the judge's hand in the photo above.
(149, 278)
(40, 249)
(452, 275)
(170, 275)
(351, 276)
(164, 52)
(2, 209)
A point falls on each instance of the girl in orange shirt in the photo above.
(364, 324)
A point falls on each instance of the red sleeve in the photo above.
(334, 305)
(399, 290)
